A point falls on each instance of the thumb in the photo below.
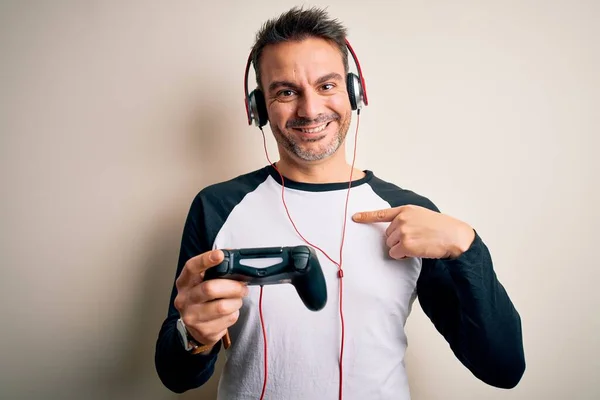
(385, 215)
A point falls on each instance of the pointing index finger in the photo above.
(384, 215)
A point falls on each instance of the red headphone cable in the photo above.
(339, 265)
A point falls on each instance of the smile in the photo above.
(316, 129)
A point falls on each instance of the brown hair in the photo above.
(295, 25)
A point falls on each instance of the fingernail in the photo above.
(213, 256)
(357, 216)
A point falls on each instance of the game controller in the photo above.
(299, 266)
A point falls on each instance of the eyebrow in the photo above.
(331, 76)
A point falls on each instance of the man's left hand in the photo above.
(416, 231)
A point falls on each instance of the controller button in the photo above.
(300, 264)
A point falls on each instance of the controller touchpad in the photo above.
(261, 262)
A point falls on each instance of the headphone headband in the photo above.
(254, 101)
(360, 74)
(246, 95)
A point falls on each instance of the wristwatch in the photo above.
(189, 343)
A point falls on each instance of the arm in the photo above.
(471, 309)
(179, 370)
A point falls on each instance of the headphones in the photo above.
(256, 107)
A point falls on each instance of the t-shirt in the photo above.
(462, 297)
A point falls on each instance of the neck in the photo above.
(334, 169)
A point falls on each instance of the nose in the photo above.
(309, 105)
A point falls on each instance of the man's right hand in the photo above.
(207, 308)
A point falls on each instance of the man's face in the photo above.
(306, 97)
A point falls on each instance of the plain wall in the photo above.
(114, 114)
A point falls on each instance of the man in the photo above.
(397, 246)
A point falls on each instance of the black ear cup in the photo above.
(258, 108)
(354, 91)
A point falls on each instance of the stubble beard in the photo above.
(295, 146)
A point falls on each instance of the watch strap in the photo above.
(190, 344)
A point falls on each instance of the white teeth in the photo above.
(315, 130)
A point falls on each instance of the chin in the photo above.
(317, 150)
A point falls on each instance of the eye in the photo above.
(328, 86)
(285, 93)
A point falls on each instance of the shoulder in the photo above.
(230, 192)
(244, 183)
(212, 205)
(398, 196)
